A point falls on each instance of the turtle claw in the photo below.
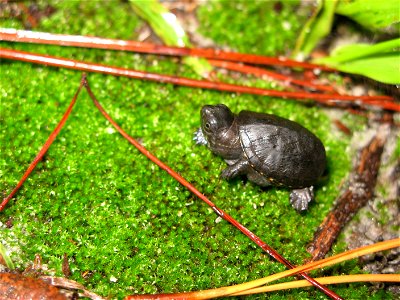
(300, 198)
(199, 137)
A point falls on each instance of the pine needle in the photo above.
(325, 281)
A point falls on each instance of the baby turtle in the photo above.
(269, 149)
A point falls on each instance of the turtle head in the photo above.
(218, 131)
(215, 119)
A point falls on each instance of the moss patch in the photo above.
(115, 214)
(264, 27)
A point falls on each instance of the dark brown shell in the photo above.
(283, 151)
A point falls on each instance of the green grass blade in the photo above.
(169, 30)
(316, 28)
(6, 258)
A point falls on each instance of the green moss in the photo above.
(264, 27)
(115, 214)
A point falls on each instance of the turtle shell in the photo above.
(282, 151)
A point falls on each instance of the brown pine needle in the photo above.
(383, 102)
(323, 280)
(243, 287)
(25, 36)
(332, 260)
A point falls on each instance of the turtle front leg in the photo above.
(240, 167)
(300, 198)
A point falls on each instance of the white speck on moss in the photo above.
(113, 279)
(110, 130)
(286, 25)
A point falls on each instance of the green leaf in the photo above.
(384, 68)
(317, 27)
(380, 62)
(6, 258)
(371, 14)
(349, 52)
(169, 30)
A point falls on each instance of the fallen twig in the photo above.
(18, 286)
(359, 191)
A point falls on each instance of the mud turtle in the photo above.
(269, 149)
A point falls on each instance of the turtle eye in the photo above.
(208, 127)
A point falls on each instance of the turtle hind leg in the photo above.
(299, 198)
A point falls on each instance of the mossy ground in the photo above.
(114, 213)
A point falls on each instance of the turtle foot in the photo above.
(237, 168)
(300, 198)
(199, 137)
